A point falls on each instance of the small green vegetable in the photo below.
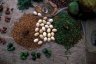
(10, 45)
(33, 53)
(34, 56)
(24, 4)
(73, 8)
(38, 55)
(11, 49)
(47, 52)
(24, 55)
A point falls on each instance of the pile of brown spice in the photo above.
(23, 31)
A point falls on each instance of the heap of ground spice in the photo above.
(24, 30)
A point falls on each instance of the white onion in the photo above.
(52, 38)
(44, 34)
(36, 29)
(52, 33)
(45, 39)
(41, 31)
(49, 35)
(41, 24)
(48, 30)
(49, 39)
(41, 36)
(51, 26)
(35, 13)
(50, 20)
(39, 14)
(40, 21)
(44, 21)
(36, 34)
(37, 24)
(43, 28)
(46, 26)
(48, 23)
(54, 30)
(36, 40)
(40, 42)
(45, 18)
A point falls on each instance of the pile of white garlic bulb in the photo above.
(36, 13)
(44, 30)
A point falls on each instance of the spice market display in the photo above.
(43, 31)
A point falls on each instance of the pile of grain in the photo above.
(23, 31)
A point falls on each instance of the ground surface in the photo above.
(90, 27)
(58, 56)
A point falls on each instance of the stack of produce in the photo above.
(44, 30)
(82, 9)
(69, 30)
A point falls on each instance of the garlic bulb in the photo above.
(48, 23)
(49, 35)
(45, 39)
(54, 30)
(36, 29)
(35, 13)
(41, 36)
(40, 42)
(49, 39)
(44, 21)
(50, 20)
(36, 34)
(40, 21)
(39, 14)
(46, 26)
(36, 40)
(43, 28)
(41, 31)
(44, 34)
(37, 24)
(52, 38)
(51, 26)
(42, 24)
(52, 33)
(45, 18)
(48, 30)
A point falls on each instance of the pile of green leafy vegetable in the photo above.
(10, 47)
(24, 55)
(69, 30)
(24, 4)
